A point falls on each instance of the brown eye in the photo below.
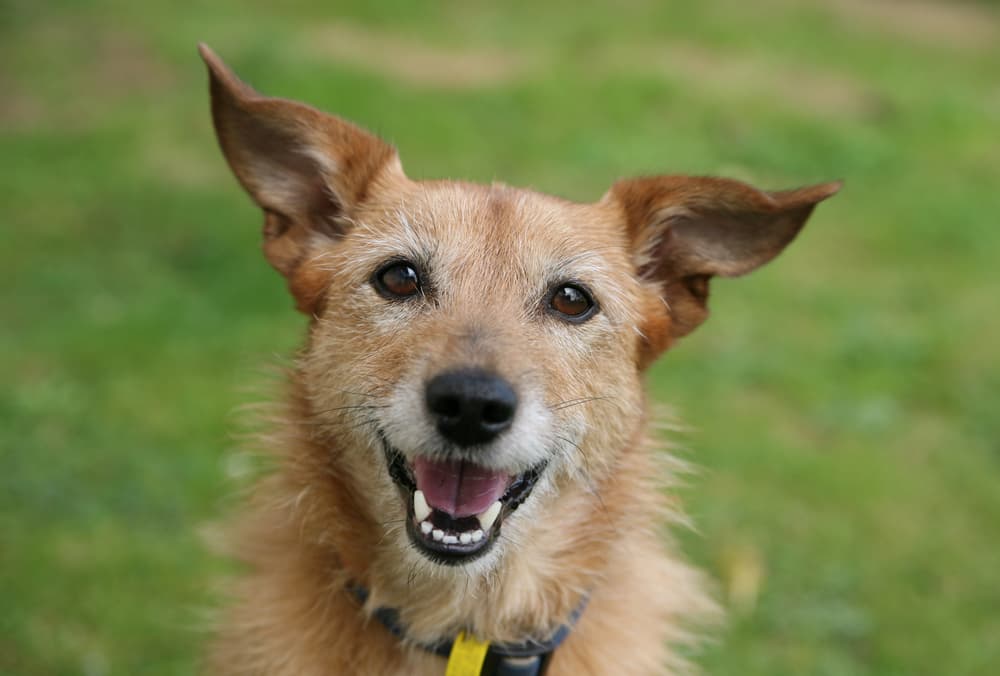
(572, 303)
(398, 279)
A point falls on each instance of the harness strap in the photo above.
(524, 658)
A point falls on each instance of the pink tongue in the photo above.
(457, 487)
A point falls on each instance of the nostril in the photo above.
(497, 413)
(446, 406)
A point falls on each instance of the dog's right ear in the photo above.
(309, 171)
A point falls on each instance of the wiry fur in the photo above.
(329, 515)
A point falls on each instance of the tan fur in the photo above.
(338, 207)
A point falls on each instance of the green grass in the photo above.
(842, 403)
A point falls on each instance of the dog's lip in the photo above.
(450, 539)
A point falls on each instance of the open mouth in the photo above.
(455, 508)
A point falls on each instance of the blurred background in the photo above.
(843, 404)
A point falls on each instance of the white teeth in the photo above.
(487, 518)
(421, 509)
(439, 535)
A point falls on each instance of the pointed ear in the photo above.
(309, 171)
(684, 230)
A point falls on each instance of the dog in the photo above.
(465, 481)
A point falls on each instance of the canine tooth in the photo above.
(465, 538)
(438, 534)
(426, 527)
(421, 509)
(450, 539)
(477, 535)
(487, 518)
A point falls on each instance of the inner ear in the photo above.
(728, 240)
(279, 160)
(685, 230)
(697, 286)
(309, 171)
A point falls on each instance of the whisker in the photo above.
(391, 528)
(588, 479)
(367, 395)
(507, 536)
(352, 407)
(567, 403)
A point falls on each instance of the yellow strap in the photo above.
(467, 656)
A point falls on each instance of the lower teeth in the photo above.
(438, 535)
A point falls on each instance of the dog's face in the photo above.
(476, 352)
(461, 331)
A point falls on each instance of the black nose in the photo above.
(471, 406)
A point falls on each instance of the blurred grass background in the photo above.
(843, 402)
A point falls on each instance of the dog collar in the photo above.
(470, 657)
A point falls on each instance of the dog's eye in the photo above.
(398, 279)
(572, 303)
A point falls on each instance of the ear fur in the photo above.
(684, 230)
(308, 171)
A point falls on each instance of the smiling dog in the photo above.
(465, 479)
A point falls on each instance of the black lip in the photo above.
(439, 552)
(457, 553)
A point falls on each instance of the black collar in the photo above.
(502, 659)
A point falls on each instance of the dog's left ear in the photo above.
(684, 230)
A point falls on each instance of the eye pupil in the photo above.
(572, 301)
(398, 280)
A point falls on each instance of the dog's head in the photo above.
(475, 352)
